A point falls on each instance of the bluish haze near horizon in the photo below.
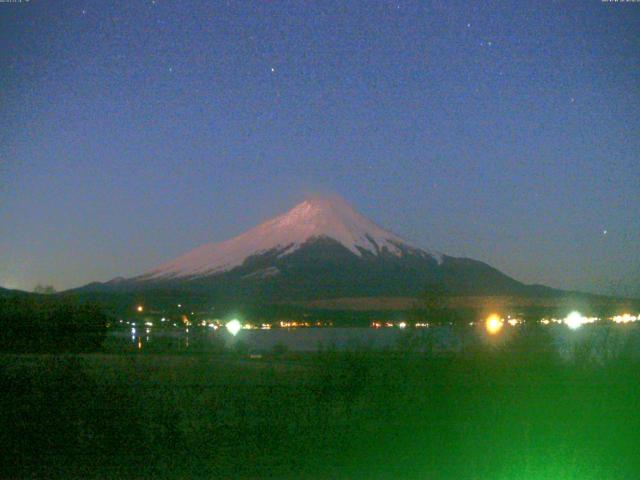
(508, 132)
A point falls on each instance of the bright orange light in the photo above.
(140, 308)
(493, 324)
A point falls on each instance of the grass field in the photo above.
(514, 412)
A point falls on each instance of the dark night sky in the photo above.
(505, 131)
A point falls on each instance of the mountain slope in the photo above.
(321, 248)
(283, 235)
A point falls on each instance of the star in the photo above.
(273, 70)
(171, 69)
(468, 25)
(84, 12)
(604, 232)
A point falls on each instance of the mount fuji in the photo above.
(320, 249)
(310, 221)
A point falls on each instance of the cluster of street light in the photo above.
(493, 324)
(574, 320)
(625, 318)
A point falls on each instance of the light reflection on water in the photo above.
(302, 339)
(434, 339)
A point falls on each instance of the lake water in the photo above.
(298, 339)
(435, 339)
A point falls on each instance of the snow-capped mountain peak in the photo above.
(314, 218)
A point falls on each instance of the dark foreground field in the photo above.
(514, 412)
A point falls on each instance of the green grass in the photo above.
(515, 412)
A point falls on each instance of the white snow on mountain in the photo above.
(313, 218)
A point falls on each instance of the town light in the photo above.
(139, 308)
(493, 324)
(574, 320)
(625, 318)
(234, 326)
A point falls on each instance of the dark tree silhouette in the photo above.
(34, 324)
(431, 306)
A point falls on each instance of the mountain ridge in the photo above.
(321, 248)
(314, 218)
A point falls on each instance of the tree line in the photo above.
(50, 325)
